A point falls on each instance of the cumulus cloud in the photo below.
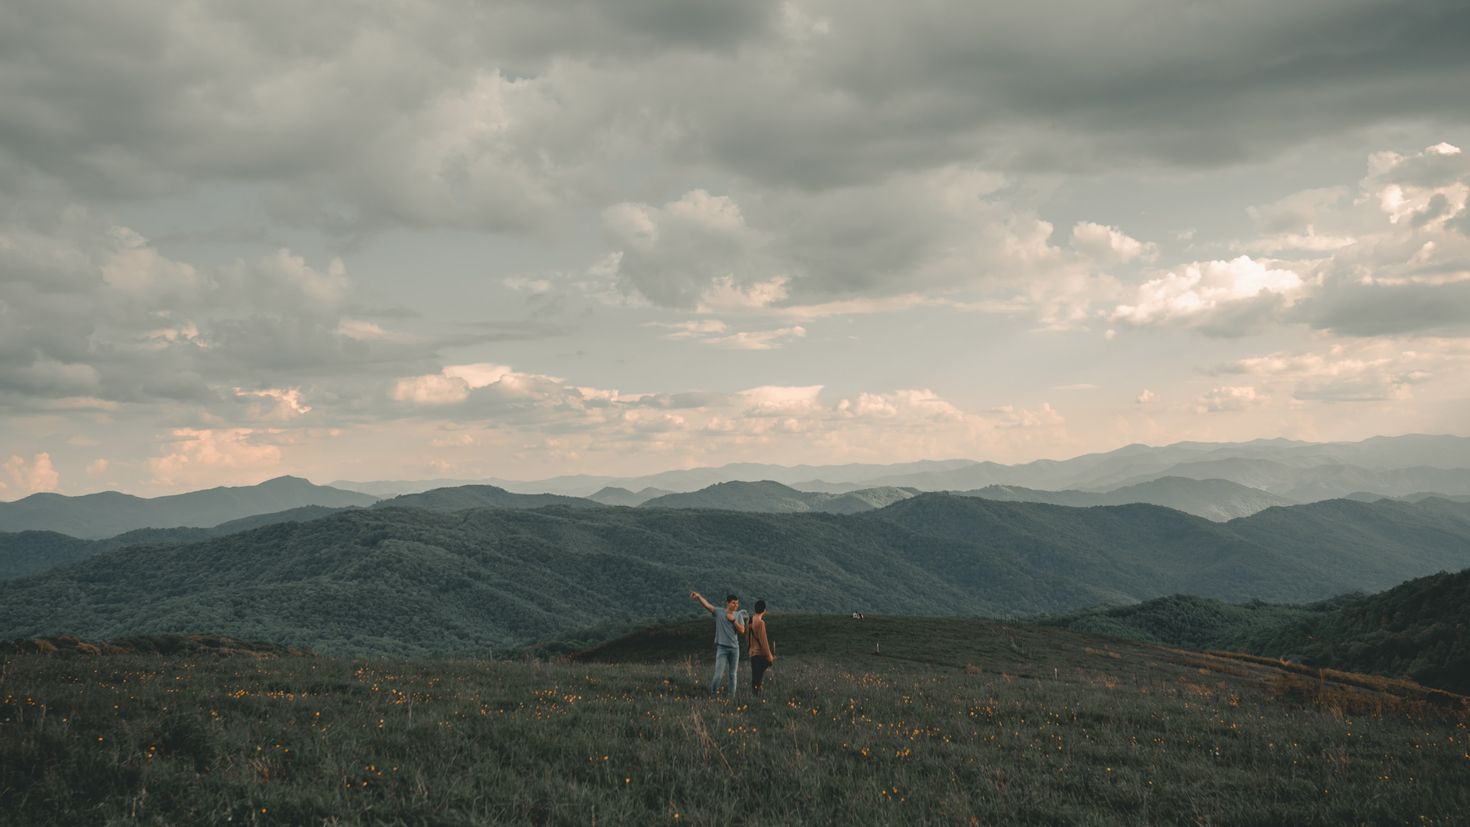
(276, 403)
(717, 333)
(1109, 243)
(941, 236)
(32, 476)
(463, 114)
(1223, 297)
(1229, 398)
(91, 310)
(675, 253)
(1355, 371)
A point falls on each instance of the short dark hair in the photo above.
(730, 597)
(760, 606)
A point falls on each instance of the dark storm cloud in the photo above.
(374, 114)
(1380, 310)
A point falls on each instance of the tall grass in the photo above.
(856, 740)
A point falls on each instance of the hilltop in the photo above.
(943, 721)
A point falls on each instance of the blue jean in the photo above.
(727, 661)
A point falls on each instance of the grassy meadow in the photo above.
(878, 721)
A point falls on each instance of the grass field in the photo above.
(879, 721)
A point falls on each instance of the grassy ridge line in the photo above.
(1099, 733)
(977, 645)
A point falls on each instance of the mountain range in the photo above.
(24, 553)
(775, 498)
(417, 581)
(1218, 500)
(1297, 471)
(109, 513)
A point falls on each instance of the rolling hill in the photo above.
(109, 513)
(31, 552)
(1418, 630)
(411, 581)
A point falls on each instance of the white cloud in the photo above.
(1230, 398)
(1146, 396)
(201, 457)
(1204, 294)
(696, 250)
(717, 333)
(431, 389)
(281, 403)
(777, 400)
(33, 476)
(1109, 243)
(97, 467)
(1356, 371)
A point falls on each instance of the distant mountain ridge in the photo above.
(1218, 500)
(774, 498)
(1299, 471)
(109, 513)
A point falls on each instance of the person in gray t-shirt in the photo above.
(729, 622)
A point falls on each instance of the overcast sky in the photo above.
(462, 239)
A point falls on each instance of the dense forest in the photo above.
(1419, 629)
(412, 581)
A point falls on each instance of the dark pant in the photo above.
(758, 666)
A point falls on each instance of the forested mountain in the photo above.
(416, 581)
(109, 513)
(462, 497)
(31, 552)
(1217, 500)
(1419, 629)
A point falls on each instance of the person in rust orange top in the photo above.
(761, 654)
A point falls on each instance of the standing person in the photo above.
(761, 654)
(729, 623)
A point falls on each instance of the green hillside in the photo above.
(411, 581)
(26, 553)
(1418, 630)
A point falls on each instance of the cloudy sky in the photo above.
(461, 239)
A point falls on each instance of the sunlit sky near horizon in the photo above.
(522, 239)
